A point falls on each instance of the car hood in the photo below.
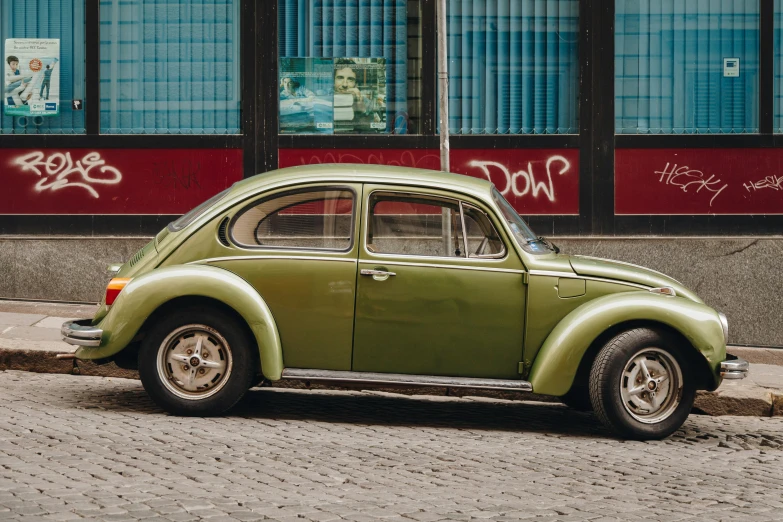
(608, 269)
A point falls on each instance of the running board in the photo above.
(399, 379)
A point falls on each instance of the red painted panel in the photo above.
(698, 181)
(113, 181)
(537, 181)
(418, 158)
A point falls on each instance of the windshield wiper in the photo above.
(545, 241)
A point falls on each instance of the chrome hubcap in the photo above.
(651, 385)
(194, 361)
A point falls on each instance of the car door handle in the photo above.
(378, 275)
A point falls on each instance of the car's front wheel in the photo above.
(197, 361)
(640, 387)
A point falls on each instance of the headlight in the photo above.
(725, 324)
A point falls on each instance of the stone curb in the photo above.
(765, 404)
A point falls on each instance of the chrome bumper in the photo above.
(734, 368)
(81, 333)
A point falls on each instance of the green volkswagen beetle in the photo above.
(386, 276)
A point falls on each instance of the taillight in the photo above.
(114, 288)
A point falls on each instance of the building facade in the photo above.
(644, 130)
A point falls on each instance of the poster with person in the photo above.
(332, 95)
(31, 85)
(306, 96)
(359, 95)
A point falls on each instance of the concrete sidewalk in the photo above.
(30, 339)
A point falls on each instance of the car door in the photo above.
(424, 305)
(298, 248)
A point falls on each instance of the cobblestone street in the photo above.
(84, 447)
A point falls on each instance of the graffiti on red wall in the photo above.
(534, 181)
(698, 181)
(114, 181)
(58, 171)
(416, 158)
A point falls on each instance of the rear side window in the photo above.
(320, 219)
(191, 216)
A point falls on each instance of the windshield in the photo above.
(191, 216)
(522, 233)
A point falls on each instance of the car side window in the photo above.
(483, 238)
(318, 219)
(414, 225)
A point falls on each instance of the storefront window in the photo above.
(170, 67)
(686, 67)
(513, 66)
(349, 66)
(43, 67)
(778, 122)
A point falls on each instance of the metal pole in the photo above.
(443, 85)
(443, 119)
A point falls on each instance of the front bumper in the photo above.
(81, 333)
(734, 368)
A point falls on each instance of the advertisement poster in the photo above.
(332, 95)
(31, 85)
(306, 96)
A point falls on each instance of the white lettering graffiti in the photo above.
(770, 182)
(523, 182)
(685, 177)
(406, 159)
(56, 170)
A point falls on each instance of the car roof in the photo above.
(357, 173)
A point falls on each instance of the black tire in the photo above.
(577, 398)
(195, 388)
(623, 383)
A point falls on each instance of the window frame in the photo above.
(424, 194)
(288, 191)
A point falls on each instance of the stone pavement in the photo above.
(96, 448)
(30, 338)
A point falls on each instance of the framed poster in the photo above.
(31, 85)
(332, 95)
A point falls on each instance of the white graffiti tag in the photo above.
(685, 178)
(59, 170)
(771, 182)
(523, 182)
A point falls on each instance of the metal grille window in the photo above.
(170, 67)
(49, 19)
(313, 219)
(686, 67)
(513, 66)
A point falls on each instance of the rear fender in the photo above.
(558, 360)
(146, 293)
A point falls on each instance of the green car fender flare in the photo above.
(556, 364)
(145, 294)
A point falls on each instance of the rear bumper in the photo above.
(81, 333)
(734, 368)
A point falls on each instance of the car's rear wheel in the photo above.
(197, 361)
(640, 387)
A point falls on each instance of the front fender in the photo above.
(146, 293)
(558, 360)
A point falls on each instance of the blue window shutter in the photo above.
(64, 20)
(513, 66)
(669, 66)
(170, 67)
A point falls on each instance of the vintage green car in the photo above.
(384, 276)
